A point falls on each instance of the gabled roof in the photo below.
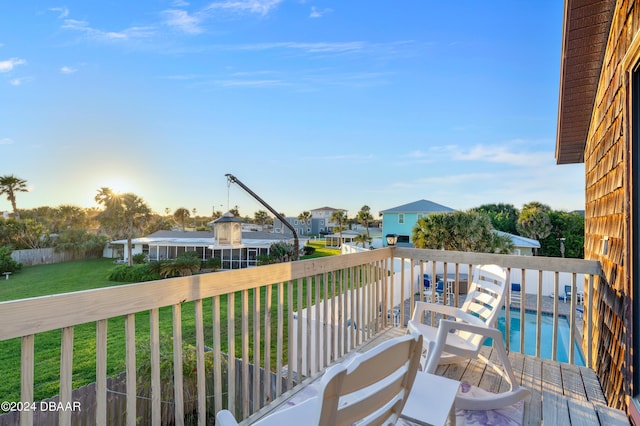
(325, 208)
(420, 206)
(203, 238)
(181, 234)
(584, 40)
(520, 241)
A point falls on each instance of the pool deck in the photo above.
(560, 393)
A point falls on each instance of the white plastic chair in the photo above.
(313, 408)
(462, 337)
(371, 389)
(481, 307)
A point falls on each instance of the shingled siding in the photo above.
(606, 209)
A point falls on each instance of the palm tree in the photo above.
(123, 213)
(181, 215)
(363, 238)
(69, 216)
(261, 217)
(364, 217)
(305, 217)
(9, 185)
(534, 222)
(339, 217)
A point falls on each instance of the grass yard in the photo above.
(321, 250)
(83, 275)
(43, 280)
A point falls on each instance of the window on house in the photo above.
(401, 218)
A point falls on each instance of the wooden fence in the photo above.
(45, 256)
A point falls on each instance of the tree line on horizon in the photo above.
(126, 216)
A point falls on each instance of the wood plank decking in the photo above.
(560, 393)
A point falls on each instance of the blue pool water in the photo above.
(562, 353)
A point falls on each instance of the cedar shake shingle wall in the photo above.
(606, 200)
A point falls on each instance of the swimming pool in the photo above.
(562, 352)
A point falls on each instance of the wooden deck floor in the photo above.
(561, 394)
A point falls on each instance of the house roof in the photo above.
(520, 241)
(324, 208)
(584, 40)
(203, 238)
(420, 206)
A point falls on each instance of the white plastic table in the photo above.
(431, 399)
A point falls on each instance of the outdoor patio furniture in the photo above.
(462, 337)
(440, 292)
(322, 409)
(371, 388)
(567, 293)
(515, 294)
(481, 307)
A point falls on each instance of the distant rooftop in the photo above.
(519, 240)
(420, 206)
(325, 208)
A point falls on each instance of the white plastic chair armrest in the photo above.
(225, 418)
(421, 307)
(451, 311)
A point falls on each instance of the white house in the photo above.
(236, 249)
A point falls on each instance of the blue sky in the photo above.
(309, 103)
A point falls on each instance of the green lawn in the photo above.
(321, 250)
(82, 275)
(43, 280)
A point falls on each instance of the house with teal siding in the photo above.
(401, 220)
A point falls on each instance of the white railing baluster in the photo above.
(309, 326)
(279, 338)
(556, 294)
(130, 337)
(523, 307)
(539, 317)
(245, 353)
(26, 377)
(154, 348)
(318, 334)
(231, 353)
(257, 402)
(217, 354)
(267, 345)
(290, 360)
(178, 393)
(572, 319)
(200, 373)
(589, 319)
(66, 375)
(101, 373)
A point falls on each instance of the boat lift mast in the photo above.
(296, 242)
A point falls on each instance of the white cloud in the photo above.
(67, 70)
(318, 47)
(6, 141)
(249, 83)
(19, 81)
(261, 7)
(501, 154)
(9, 64)
(63, 12)
(183, 21)
(316, 13)
(126, 34)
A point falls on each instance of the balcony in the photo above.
(262, 334)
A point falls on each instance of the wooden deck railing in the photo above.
(268, 328)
